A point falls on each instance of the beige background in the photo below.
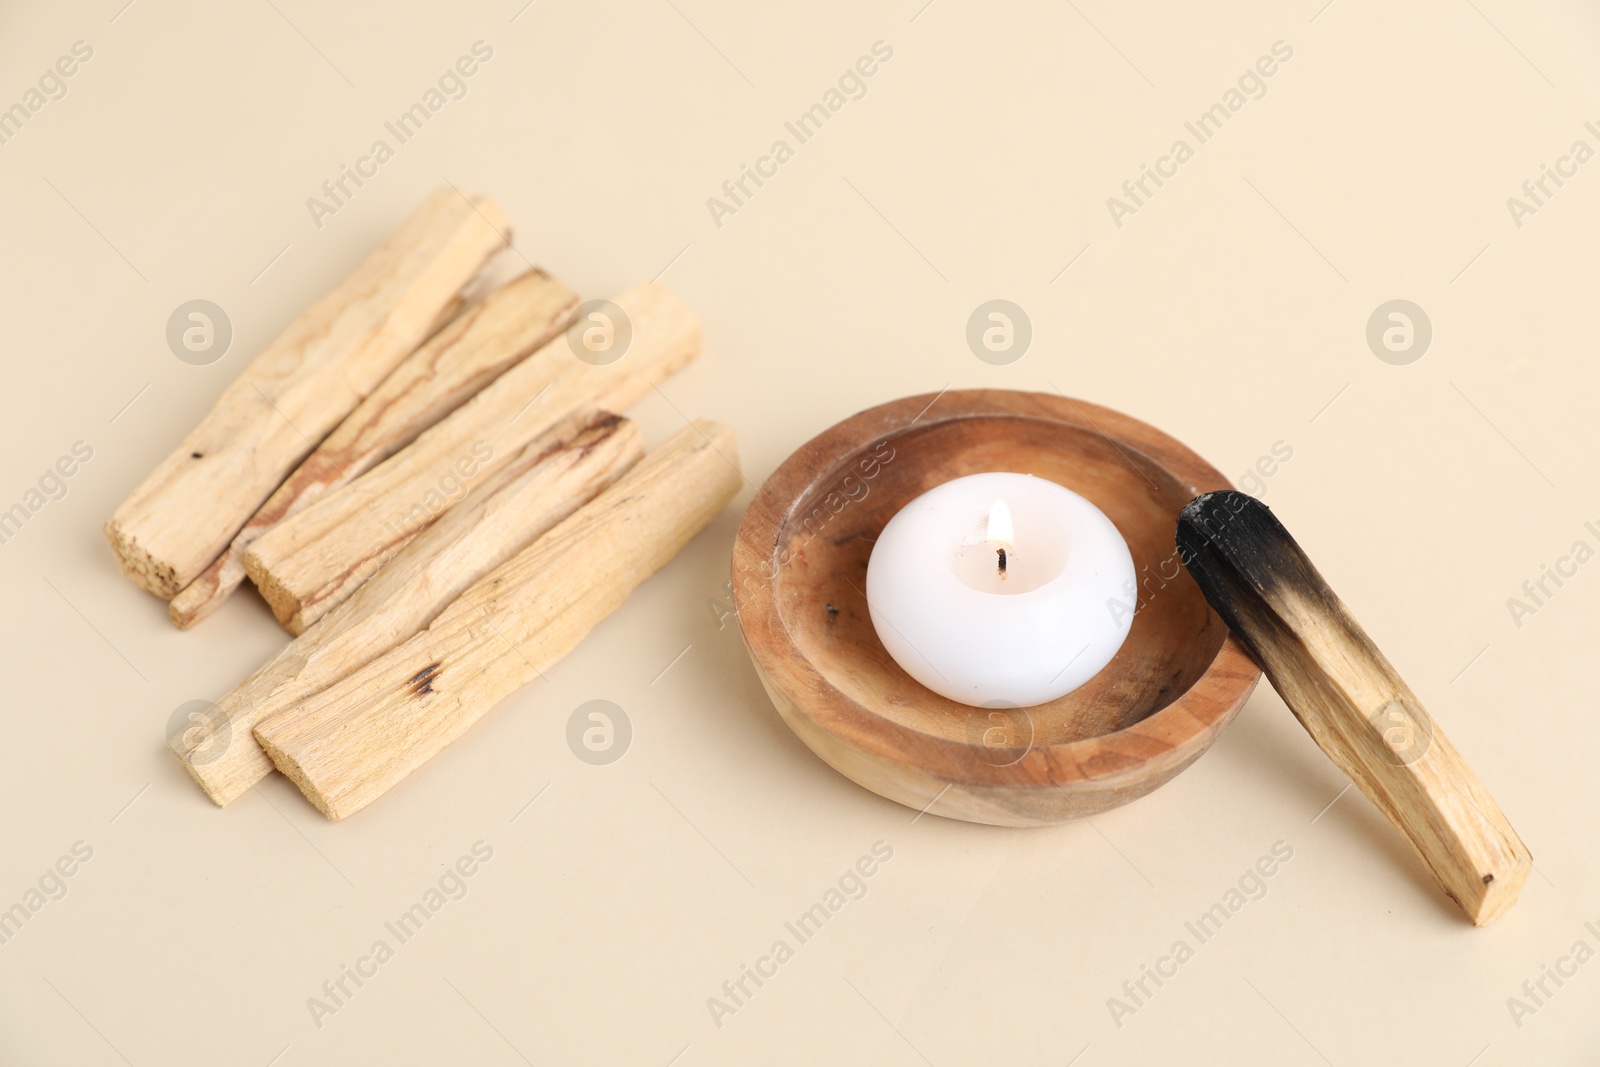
(1230, 311)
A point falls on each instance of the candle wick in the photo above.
(1002, 553)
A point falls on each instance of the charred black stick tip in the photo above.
(1002, 553)
(1235, 529)
(1221, 537)
(1248, 536)
(1229, 517)
(1243, 560)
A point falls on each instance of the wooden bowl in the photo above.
(799, 580)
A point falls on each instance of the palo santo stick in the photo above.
(501, 268)
(1351, 700)
(549, 480)
(351, 743)
(184, 514)
(309, 563)
(473, 350)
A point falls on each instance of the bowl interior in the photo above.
(827, 538)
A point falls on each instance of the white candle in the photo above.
(1001, 634)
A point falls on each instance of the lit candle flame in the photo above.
(1000, 523)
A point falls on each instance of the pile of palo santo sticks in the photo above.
(425, 478)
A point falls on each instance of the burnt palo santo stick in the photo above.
(482, 342)
(1351, 700)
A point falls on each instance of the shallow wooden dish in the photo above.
(799, 581)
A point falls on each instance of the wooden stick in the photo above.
(560, 471)
(473, 350)
(184, 514)
(1351, 700)
(350, 744)
(501, 268)
(309, 563)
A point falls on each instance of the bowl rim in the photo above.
(1172, 736)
